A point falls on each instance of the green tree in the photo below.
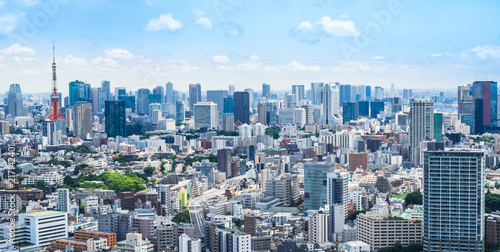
(273, 131)
(353, 216)
(414, 198)
(149, 171)
(182, 217)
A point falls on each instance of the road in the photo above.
(195, 205)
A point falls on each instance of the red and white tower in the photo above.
(55, 109)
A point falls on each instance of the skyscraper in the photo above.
(94, 94)
(15, 101)
(169, 93)
(116, 117)
(218, 97)
(329, 98)
(315, 184)
(298, 91)
(228, 105)
(159, 91)
(79, 91)
(224, 161)
(438, 127)
(242, 107)
(345, 94)
(106, 87)
(291, 101)
(143, 101)
(376, 107)
(421, 126)
(454, 200)
(266, 90)
(206, 115)
(316, 88)
(119, 91)
(485, 105)
(82, 119)
(179, 111)
(194, 95)
(364, 108)
(350, 112)
(231, 90)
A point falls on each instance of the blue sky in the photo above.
(145, 43)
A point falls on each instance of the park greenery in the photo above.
(414, 198)
(492, 202)
(273, 131)
(118, 182)
(353, 216)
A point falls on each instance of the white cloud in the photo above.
(2, 3)
(295, 66)
(220, 59)
(233, 32)
(10, 21)
(164, 22)
(202, 20)
(30, 72)
(17, 49)
(24, 60)
(437, 55)
(205, 23)
(327, 26)
(378, 57)
(118, 53)
(488, 51)
(28, 2)
(75, 61)
(254, 57)
(104, 61)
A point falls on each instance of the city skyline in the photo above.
(143, 44)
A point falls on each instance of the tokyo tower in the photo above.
(55, 109)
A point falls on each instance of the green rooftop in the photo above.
(45, 213)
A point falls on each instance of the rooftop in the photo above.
(44, 213)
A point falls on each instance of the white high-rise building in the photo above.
(318, 228)
(300, 116)
(206, 115)
(82, 119)
(330, 105)
(63, 201)
(245, 131)
(188, 244)
(259, 129)
(164, 199)
(421, 126)
(40, 228)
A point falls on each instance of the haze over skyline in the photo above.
(142, 44)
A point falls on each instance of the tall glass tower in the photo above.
(454, 200)
(315, 184)
(15, 101)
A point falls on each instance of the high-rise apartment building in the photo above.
(63, 201)
(454, 200)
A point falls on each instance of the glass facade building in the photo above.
(350, 111)
(454, 200)
(375, 108)
(116, 118)
(179, 111)
(315, 184)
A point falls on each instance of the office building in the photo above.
(284, 187)
(350, 112)
(119, 91)
(224, 161)
(32, 228)
(115, 118)
(381, 231)
(194, 95)
(316, 88)
(242, 107)
(228, 122)
(376, 107)
(134, 242)
(315, 184)
(129, 101)
(79, 91)
(298, 91)
(266, 90)
(262, 113)
(114, 223)
(345, 94)
(228, 105)
(143, 101)
(329, 98)
(454, 200)
(485, 106)
(218, 97)
(15, 101)
(231, 89)
(154, 112)
(206, 115)
(179, 111)
(421, 126)
(438, 127)
(88, 234)
(82, 119)
(169, 93)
